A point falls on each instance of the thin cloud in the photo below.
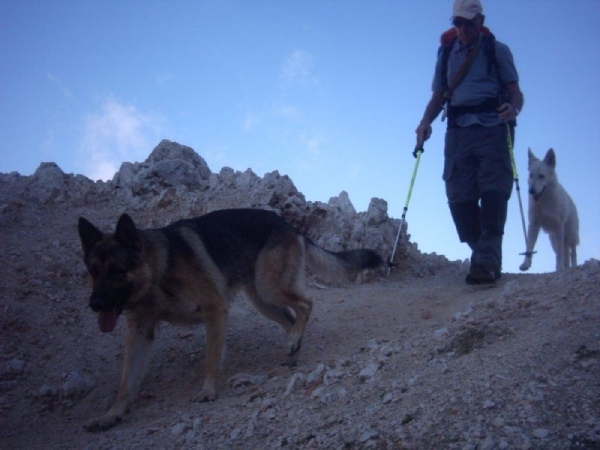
(298, 67)
(165, 78)
(63, 88)
(313, 143)
(117, 133)
(288, 112)
(251, 121)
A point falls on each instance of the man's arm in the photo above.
(431, 112)
(510, 110)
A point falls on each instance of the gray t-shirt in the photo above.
(478, 84)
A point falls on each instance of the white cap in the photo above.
(467, 9)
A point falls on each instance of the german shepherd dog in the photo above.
(189, 272)
(552, 209)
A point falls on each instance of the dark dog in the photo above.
(189, 272)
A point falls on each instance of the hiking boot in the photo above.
(481, 275)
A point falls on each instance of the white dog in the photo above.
(551, 208)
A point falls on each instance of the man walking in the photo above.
(477, 85)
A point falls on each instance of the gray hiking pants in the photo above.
(478, 176)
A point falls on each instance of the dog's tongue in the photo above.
(107, 321)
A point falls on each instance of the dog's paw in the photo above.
(294, 346)
(290, 362)
(101, 423)
(525, 265)
(206, 395)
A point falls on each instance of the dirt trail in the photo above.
(414, 360)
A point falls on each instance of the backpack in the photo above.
(449, 37)
(488, 43)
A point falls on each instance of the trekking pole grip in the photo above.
(418, 149)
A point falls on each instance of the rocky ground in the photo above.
(413, 360)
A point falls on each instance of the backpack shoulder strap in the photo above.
(447, 40)
(449, 37)
(489, 48)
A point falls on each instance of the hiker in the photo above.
(477, 85)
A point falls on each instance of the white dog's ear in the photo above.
(550, 158)
(531, 157)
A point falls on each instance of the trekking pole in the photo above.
(516, 179)
(417, 154)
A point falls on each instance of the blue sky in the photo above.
(328, 92)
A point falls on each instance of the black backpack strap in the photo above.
(444, 51)
(489, 49)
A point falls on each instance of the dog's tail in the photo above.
(340, 266)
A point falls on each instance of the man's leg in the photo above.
(486, 263)
(495, 179)
(467, 219)
(460, 176)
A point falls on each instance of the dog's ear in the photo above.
(531, 157)
(550, 158)
(88, 234)
(127, 234)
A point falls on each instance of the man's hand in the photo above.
(423, 133)
(507, 112)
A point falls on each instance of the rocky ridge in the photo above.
(413, 360)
